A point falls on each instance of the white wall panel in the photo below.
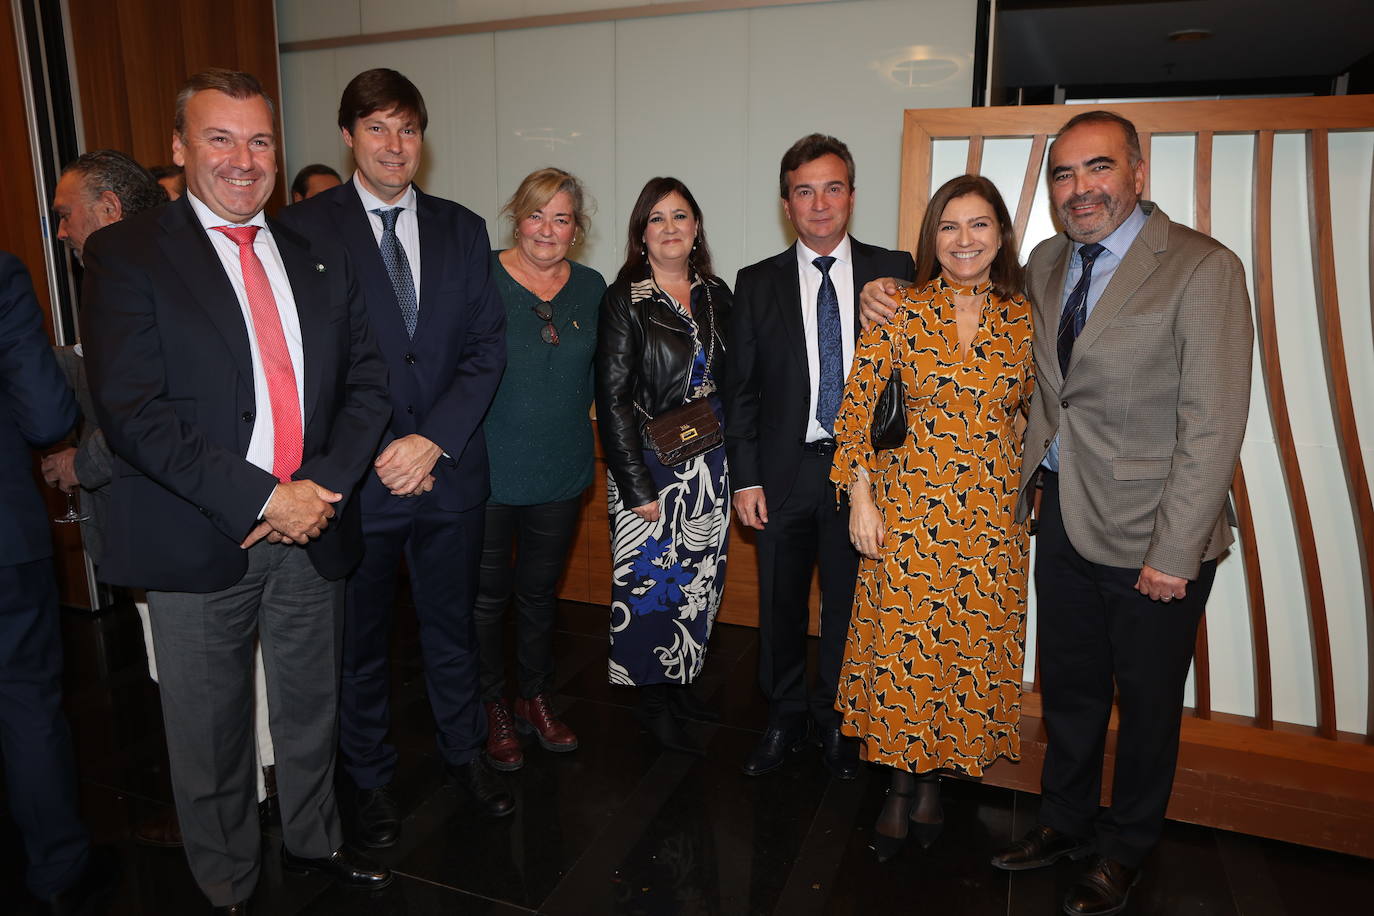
(555, 105)
(1171, 176)
(848, 69)
(697, 132)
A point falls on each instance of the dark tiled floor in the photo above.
(619, 828)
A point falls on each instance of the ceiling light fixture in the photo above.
(1186, 35)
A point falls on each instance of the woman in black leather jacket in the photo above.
(660, 345)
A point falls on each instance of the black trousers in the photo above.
(541, 536)
(809, 530)
(1096, 632)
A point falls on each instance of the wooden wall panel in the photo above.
(132, 56)
(21, 231)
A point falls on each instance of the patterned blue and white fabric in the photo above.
(667, 576)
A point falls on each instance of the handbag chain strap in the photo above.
(710, 341)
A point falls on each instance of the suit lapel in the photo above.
(187, 248)
(431, 260)
(355, 229)
(1049, 299)
(1140, 262)
(309, 289)
(787, 287)
(861, 258)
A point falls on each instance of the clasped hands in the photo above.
(405, 466)
(296, 513)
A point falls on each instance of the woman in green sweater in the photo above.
(539, 436)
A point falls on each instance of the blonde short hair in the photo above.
(539, 187)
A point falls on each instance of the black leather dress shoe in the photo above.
(839, 754)
(481, 784)
(1101, 890)
(1040, 847)
(777, 742)
(347, 868)
(233, 909)
(377, 818)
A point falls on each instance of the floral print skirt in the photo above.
(667, 576)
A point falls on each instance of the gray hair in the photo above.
(110, 170)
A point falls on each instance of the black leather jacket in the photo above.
(644, 354)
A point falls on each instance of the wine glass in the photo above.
(73, 514)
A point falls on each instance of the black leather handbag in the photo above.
(889, 428)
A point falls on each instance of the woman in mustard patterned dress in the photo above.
(932, 670)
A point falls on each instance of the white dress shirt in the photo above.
(842, 275)
(407, 226)
(261, 445)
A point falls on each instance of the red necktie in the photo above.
(276, 359)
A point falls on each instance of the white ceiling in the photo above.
(1063, 42)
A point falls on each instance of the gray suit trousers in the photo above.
(204, 645)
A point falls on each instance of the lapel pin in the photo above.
(319, 268)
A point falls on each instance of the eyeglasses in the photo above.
(548, 333)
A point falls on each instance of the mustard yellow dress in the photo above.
(933, 661)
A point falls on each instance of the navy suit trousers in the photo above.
(442, 552)
(40, 771)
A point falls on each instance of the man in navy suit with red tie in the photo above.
(424, 267)
(239, 387)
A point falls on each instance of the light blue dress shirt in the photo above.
(1104, 268)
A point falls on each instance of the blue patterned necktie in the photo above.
(398, 268)
(1075, 313)
(829, 343)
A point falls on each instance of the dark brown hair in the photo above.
(301, 183)
(1100, 116)
(636, 258)
(234, 83)
(382, 90)
(808, 149)
(1006, 275)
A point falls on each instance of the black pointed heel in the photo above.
(885, 848)
(927, 832)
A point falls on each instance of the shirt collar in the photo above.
(1119, 242)
(209, 219)
(373, 202)
(841, 253)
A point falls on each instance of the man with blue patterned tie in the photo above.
(424, 267)
(792, 337)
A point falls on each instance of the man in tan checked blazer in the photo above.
(1142, 351)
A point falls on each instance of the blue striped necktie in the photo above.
(831, 347)
(1075, 313)
(398, 268)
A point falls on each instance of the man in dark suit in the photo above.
(36, 409)
(792, 337)
(238, 384)
(424, 270)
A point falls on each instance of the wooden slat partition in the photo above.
(1145, 154)
(1337, 372)
(1266, 332)
(1254, 591)
(974, 164)
(1232, 116)
(1034, 163)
